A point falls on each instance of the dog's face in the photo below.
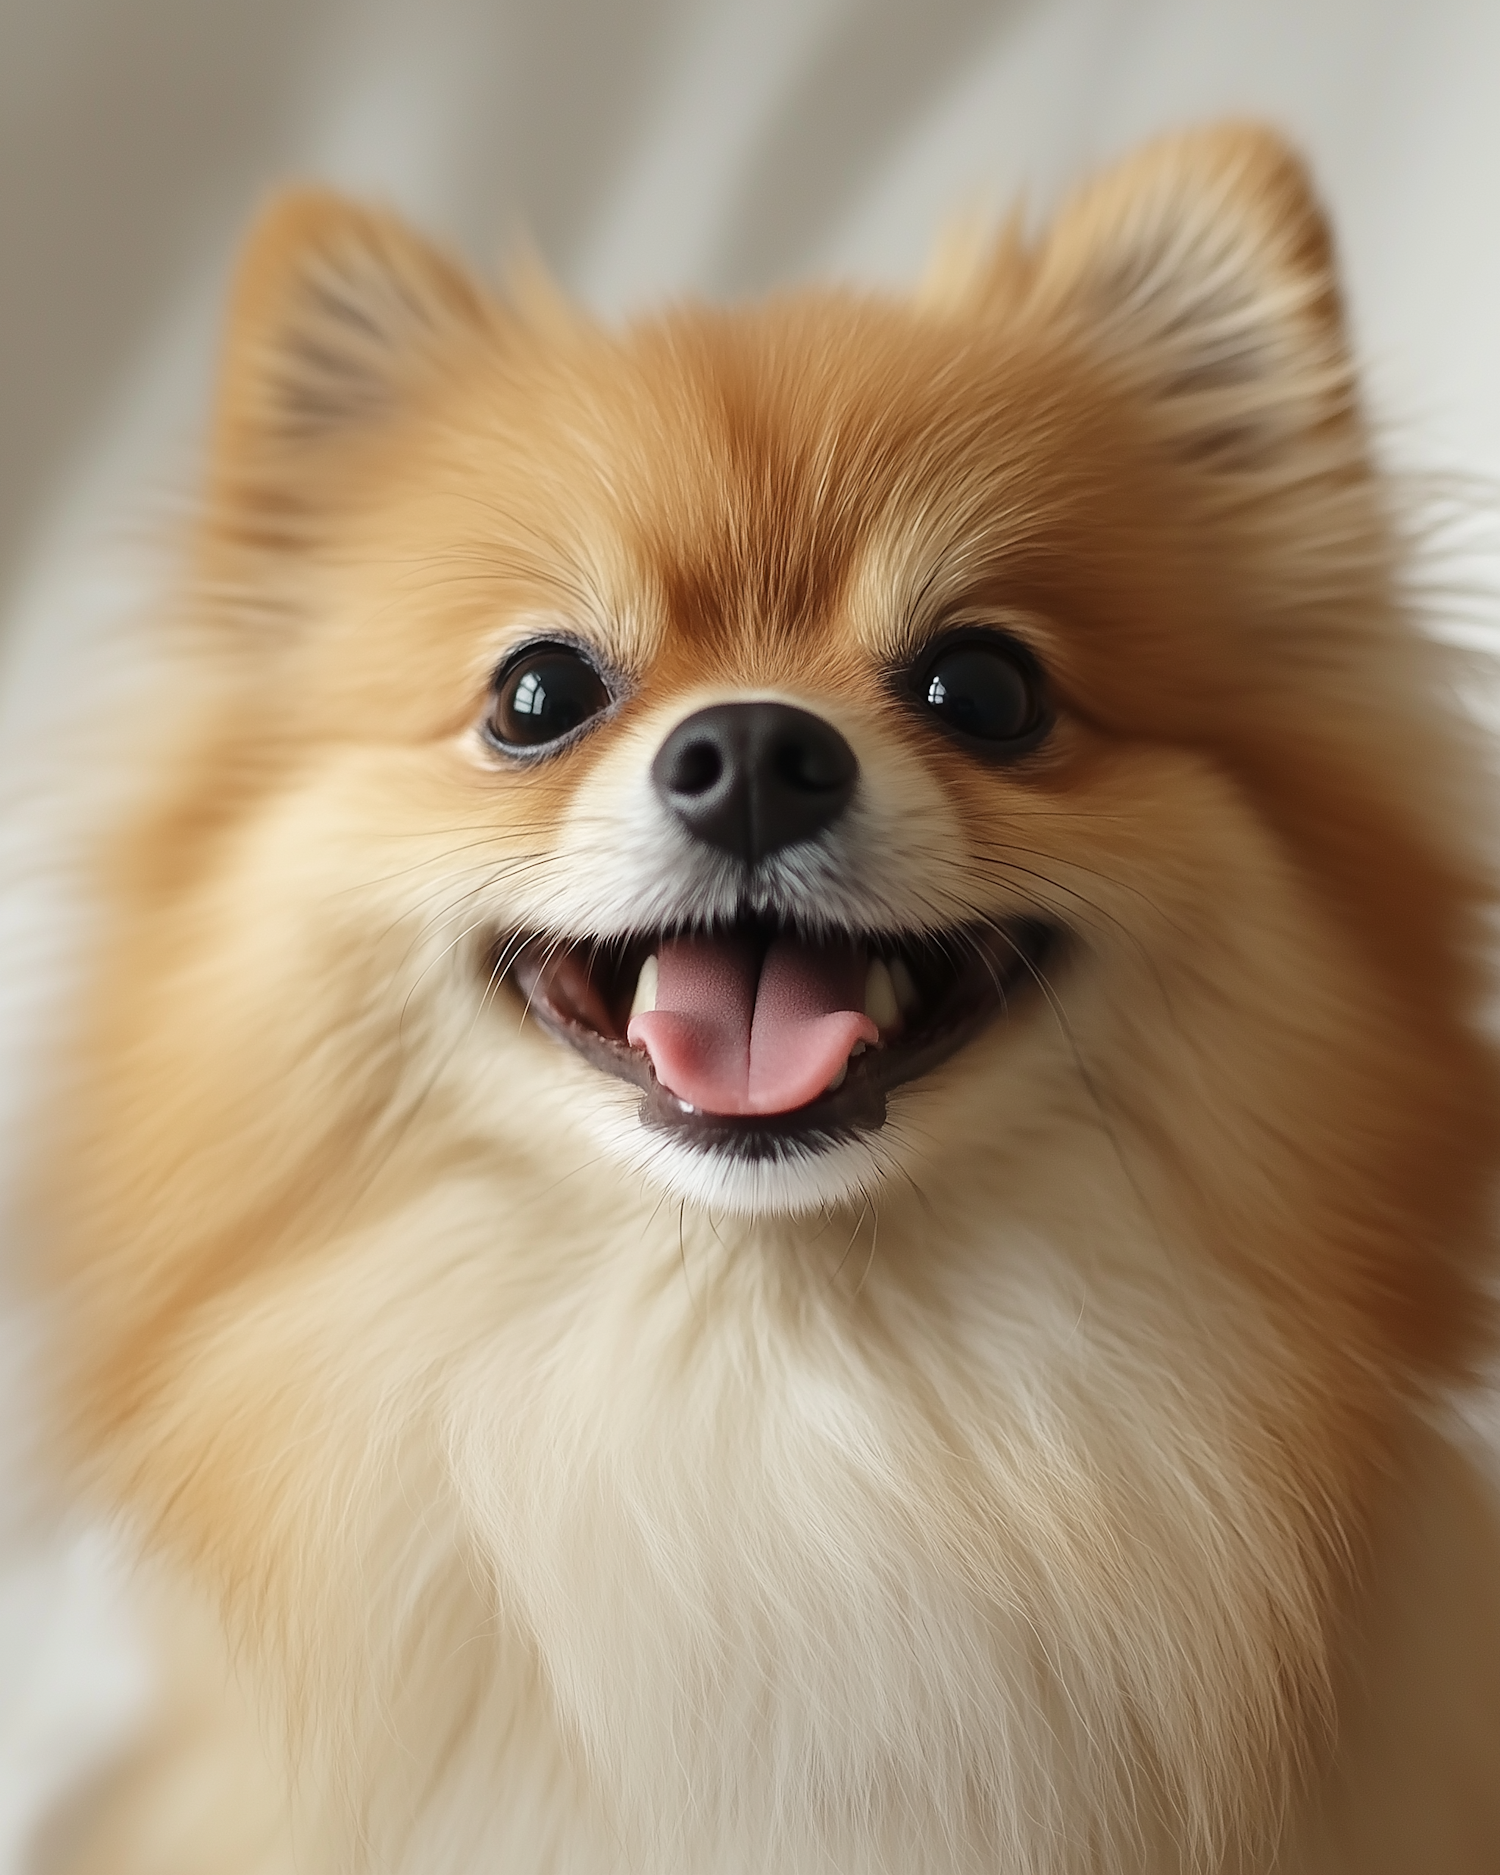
(846, 727)
(926, 767)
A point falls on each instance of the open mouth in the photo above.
(749, 1037)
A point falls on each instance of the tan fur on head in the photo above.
(988, 1492)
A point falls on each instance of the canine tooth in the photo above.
(881, 1004)
(645, 989)
(838, 1079)
(901, 984)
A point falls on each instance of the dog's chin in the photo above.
(830, 1151)
(803, 1177)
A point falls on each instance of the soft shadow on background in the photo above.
(650, 149)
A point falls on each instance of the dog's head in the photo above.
(849, 727)
(958, 765)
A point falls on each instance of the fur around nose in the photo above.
(751, 778)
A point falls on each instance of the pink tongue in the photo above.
(727, 1043)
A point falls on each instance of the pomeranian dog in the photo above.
(781, 1159)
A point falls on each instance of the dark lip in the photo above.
(970, 976)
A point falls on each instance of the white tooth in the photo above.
(905, 990)
(881, 1005)
(838, 1079)
(858, 1049)
(645, 990)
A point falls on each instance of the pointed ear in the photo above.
(1204, 267)
(1201, 270)
(338, 317)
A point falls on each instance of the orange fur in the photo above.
(1016, 1502)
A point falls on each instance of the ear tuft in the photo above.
(338, 314)
(1203, 268)
(1201, 271)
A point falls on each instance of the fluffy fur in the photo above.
(1054, 1481)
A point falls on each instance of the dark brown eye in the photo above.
(546, 693)
(986, 689)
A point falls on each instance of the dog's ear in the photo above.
(1203, 268)
(339, 318)
(1201, 272)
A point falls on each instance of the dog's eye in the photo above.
(986, 689)
(544, 695)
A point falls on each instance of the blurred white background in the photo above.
(648, 148)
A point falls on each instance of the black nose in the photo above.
(752, 777)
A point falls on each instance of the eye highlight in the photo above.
(985, 689)
(542, 696)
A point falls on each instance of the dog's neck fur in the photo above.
(1407, 1785)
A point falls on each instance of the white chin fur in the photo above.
(799, 1179)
